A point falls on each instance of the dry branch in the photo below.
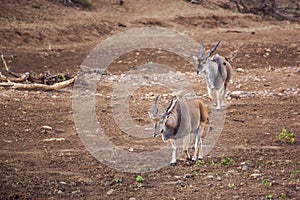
(56, 86)
(44, 81)
(7, 68)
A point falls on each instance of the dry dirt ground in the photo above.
(43, 35)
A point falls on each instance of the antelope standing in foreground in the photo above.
(217, 71)
(179, 120)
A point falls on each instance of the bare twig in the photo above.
(7, 68)
(4, 62)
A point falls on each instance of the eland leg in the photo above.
(196, 145)
(186, 141)
(219, 98)
(201, 134)
(210, 93)
(173, 146)
(223, 97)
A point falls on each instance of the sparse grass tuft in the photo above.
(226, 161)
(286, 137)
(267, 183)
(139, 178)
(269, 196)
(282, 196)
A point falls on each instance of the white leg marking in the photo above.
(173, 146)
(200, 155)
(196, 145)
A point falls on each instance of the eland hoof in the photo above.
(200, 158)
(193, 160)
(172, 164)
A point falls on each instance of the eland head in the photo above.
(202, 58)
(160, 121)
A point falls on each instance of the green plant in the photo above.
(194, 173)
(282, 196)
(284, 136)
(282, 164)
(293, 174)
(63, 77)
(267, 183)
(150, 66)
(226, 160)
(200, 162)
(139, 178)
(269, 196)
(212, 163)
(117, 180)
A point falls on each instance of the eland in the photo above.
(217, 71)
(180, 119)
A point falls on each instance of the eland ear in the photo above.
(213, 50)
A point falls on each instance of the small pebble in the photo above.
(188, 176)
(48, 128)
(110, 192)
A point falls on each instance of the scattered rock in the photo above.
(241, 70)
(165, 95)
(239, 86)
(256, 79)
(110, 192)
(188, 176)
(245, 167)
(54, 139)
(255, 175)
(60, 192)
(240, 94)
(130, 149)
(210, 176)
(76, 191)
(47, 128)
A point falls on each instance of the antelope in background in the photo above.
(179, 120)
(217, 71)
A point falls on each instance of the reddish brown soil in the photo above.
(41, 36)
